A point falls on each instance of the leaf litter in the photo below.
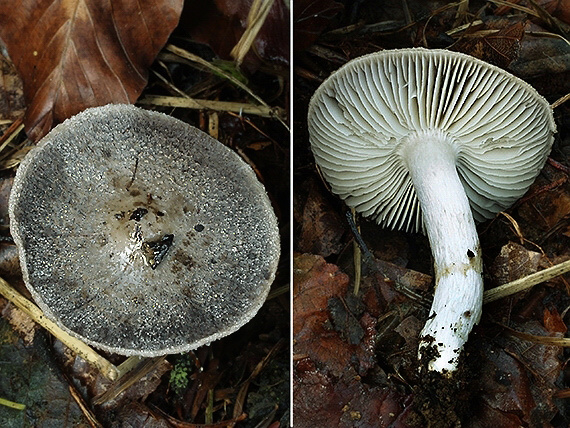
(515, 364)
(241, 380)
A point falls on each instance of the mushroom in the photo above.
(431, 140)
(140, 234)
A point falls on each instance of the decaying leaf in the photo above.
(514, 262)
(322, 400)
(74, 54)
(547, 213)
(11, 92)
(315, 283)
(322, 227)
(500, 47)
(29, 376)
(517, 378)
(20, 322)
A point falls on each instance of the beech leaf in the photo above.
(74, 54)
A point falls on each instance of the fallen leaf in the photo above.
(321, 400)
(315, 282)
(20, 322)
(500, 48)
(74, 54)
(10, 263)
(5, 188)
(517, 379)
(558, 8)
(29, 376)
(322, 227)
(137, 414)
(553, 322)
(514, 262)
(547, 212)
(12, 105)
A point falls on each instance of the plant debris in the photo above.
(514, 364)
(241, 380)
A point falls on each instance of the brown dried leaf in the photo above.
(137, 414)
(11, 91)
(514, 262)
(5, 188)
(20, 322)
(10, 263)
(74, 54)
(558, 8)
(553, 322)
(315, 283)
(517, 380)
(546, 212)
(322, 227)
(321, 400)
(499, 48)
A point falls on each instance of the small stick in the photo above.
(84, 351)
(356, 234)
(526, 282)
(357, 253)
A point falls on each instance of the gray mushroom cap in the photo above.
(140, 234)
(359, 119)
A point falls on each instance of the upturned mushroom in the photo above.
(140, 234)
(432, 140)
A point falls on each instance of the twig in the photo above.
(240, 398)
(84, 351)
(518, 7)
(87, 412)
(356, 247)
(11, 133)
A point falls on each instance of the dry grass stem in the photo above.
(560, 101)
(142, 368)
(191, 103)
(516, 6)
(255, 19)
(542, 340)
(526, 282)
(217, 70)
(11, 404)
